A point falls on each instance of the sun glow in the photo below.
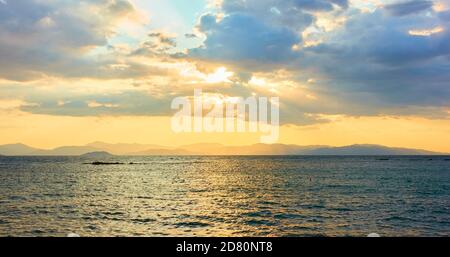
(255, 81)
(440, 7)
(219, 76)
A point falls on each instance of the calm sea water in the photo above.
(225, 196)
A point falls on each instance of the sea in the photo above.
(231, 196)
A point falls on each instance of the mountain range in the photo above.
(209, 149)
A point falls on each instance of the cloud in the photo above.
(259, 34)
(370, 65)
(163, 39)
(129, 103)
(445, 16)
(318, 5)
(342, 3)
(233, 6)
(53, 38)
(406, 8)
(190, 35)
(377, 64)
(387, 61)
(312, 5)
(158, 44)
(241, 37)
(386, 40)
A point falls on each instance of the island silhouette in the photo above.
(104, 150)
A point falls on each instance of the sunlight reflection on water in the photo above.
(225, 196)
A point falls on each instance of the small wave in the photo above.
(315, 220)
(312, 206)
(199, 190)
(160, 233)
(339, 186)
(299, 235)
(258, 222)
(142, 197)
(266, 202)
(263, 213)
(143, 220)
(17, 198)
(117, 213)
(38, 231)
(305, 227)
(287, 216)
(343, 209)
(399, 218)
(113, 219)
(114, 216)
(192, 224)
(91, 227)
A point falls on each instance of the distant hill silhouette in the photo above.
(104, 149)
(163, 152)
(368, 150)
(256, 149)
(17, 149)
(68, 151)
(101, 154)
(281, 149)
(125, 148)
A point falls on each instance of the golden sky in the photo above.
(47, 131)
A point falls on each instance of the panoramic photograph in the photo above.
(225, 119)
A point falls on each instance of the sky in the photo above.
(345, 71)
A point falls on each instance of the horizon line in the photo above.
(181, 147)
